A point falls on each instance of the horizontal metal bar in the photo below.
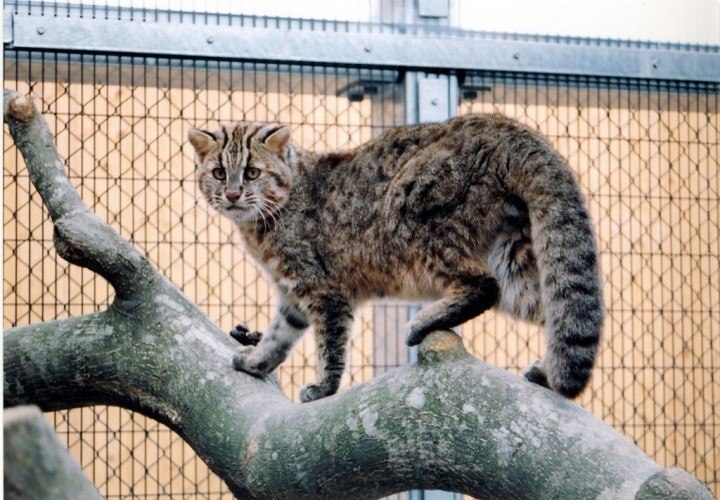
(372, 49)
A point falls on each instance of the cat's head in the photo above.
(245, 170)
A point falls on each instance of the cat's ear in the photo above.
(277, 139)
(202, 140)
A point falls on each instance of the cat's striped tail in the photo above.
(564, 245)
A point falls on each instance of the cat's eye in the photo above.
(219, 173)
(252, 173)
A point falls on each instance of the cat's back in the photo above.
(380, 159)
(459, 133)
(409, 172)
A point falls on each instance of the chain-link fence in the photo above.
(647, 154)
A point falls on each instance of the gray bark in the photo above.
(37, 465)
(447, 422)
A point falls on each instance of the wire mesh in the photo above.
(646, 153)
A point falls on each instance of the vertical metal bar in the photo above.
(411, 97)
(714, 370)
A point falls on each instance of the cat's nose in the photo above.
(233, 196)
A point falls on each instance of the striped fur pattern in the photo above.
(473, 213)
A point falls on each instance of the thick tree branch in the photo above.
(37, 465)
(448, 422)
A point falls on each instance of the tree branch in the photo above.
(37, 465)
(448, 422)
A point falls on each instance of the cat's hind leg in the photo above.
(286, 328)
(467, 298)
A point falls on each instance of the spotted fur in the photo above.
(473, 213)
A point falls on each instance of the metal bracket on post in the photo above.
(437, 98)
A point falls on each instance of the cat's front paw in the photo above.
(536, 374)
(311, 392)
(244, 361)
(242, 334)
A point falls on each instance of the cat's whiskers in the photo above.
(277, 206)
(255, 217)
(270, 210)
(267, 214)
(263, 207)
(206, 207)
(262, 214)
(248, 204)
(274, 209)
(256, 203)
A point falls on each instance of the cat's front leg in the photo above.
(272, 348)
(241, 332)
(332, 316)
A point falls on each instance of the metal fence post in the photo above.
(428, 98)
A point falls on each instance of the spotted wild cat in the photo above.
(476, 212)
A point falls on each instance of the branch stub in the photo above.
(19, 107)
(441, 345)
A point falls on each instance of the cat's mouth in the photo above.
(241, 212)
(238, 212)
(240, 207)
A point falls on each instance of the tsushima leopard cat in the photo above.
(476, 212)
